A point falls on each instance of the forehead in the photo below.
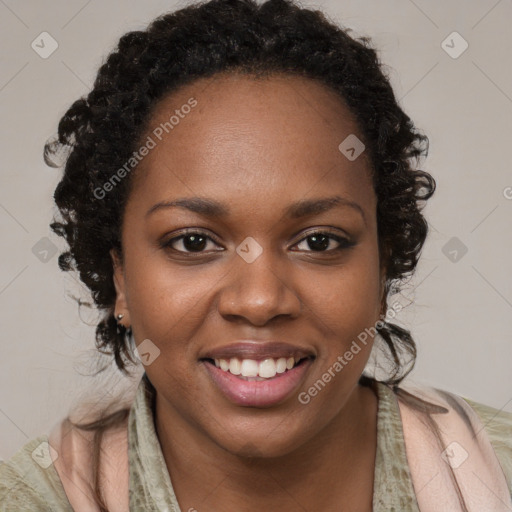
(272, 135)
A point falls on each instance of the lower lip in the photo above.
(263, 393)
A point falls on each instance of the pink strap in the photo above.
(72, 458)
(475, 466)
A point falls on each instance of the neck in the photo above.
(335, 466)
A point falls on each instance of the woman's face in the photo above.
(247, 268)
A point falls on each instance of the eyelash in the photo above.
(344, 242)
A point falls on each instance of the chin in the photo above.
(267, 440)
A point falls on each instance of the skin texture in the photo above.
(256, 146)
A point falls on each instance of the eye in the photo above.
(191, 241)
(197, 242)
(319, 241)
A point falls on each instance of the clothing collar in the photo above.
(150, 484)
(392, 486)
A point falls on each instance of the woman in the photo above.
(241, 199)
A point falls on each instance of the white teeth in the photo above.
(249, 368)
(234, 366)
(281, 365)
(266, 369)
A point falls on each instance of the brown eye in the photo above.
(320, 241)
(190, 242)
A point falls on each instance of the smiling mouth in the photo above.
(253, 370)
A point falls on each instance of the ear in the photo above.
(121, 304)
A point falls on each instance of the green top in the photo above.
(25, 485)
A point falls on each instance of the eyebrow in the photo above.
(303, 208)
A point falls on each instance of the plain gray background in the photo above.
(460, 312)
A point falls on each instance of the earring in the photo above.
(118, 318)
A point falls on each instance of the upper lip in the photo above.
(258, 350)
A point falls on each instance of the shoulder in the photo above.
(498, 426)
(29, 481)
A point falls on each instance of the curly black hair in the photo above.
(101, 131)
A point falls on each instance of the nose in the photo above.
(258, 292)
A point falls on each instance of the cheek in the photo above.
(348, 299)
(347, 309)
(167, 303)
